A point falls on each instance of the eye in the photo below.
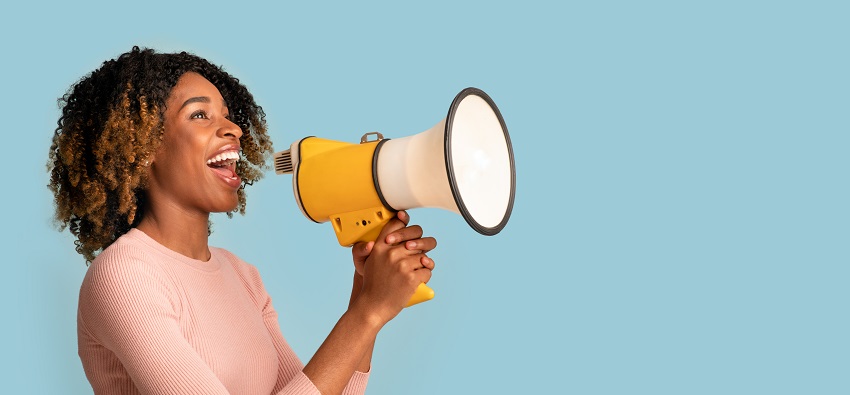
(200, 114)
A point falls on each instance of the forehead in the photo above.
(193, 85)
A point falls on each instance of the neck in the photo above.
(180, 231)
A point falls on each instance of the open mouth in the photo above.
(224, 164)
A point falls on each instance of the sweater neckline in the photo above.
(208, 266)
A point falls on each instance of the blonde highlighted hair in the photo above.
(112, 123)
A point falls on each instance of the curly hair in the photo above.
(112, 122)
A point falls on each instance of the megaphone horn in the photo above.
(464, 164)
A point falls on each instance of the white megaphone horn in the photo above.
(464, 164)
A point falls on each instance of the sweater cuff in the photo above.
(300, 384)
(357, 384)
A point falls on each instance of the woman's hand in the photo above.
(388, 270)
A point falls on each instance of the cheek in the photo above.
(174, 165)
(182, 149)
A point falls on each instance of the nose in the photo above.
(229, 129)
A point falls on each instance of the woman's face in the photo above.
(195, 167)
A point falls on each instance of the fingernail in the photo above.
(411, 245)
(391, 239)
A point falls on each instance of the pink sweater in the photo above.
(153, 321)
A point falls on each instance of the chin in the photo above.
(225, 207)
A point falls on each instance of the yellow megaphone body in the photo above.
(463, 164)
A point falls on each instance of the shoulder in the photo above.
(124, 258)
(242, 268)
(125, 283)
(247, 273)
(125, 270)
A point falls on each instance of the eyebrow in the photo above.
(199, 99)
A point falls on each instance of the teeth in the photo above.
(224, 156)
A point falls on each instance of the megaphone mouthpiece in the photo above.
(283, 162)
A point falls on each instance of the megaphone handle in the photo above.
(365, 225)
(423, 293)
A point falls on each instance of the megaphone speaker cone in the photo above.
(463, 164)
(480, 161)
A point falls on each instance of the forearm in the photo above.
(366, 363)
(347, 348)
(387, 272)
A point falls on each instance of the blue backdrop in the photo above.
(681, 217)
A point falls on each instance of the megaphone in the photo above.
(464, 164)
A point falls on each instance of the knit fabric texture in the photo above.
(153, 321)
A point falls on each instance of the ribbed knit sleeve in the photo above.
(291, 379)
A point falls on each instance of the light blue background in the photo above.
(681, 217)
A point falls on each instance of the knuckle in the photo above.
(396, 255)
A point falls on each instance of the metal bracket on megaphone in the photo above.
(365, 138)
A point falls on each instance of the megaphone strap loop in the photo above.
(365, 138)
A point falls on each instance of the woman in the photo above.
(147, 147)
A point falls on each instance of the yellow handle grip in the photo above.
(423, 293)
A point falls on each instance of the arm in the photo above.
(360, 254)
(394, 266)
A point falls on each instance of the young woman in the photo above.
(147, 146)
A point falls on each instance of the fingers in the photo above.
(406, 233)
(361, 249)
(427, 263)
(423, 273)
(395, 264)
(409, 263)
(423, 244)
(402, 215)
(389, 229)
(359, 252)
(418, 267)
(394, 236)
